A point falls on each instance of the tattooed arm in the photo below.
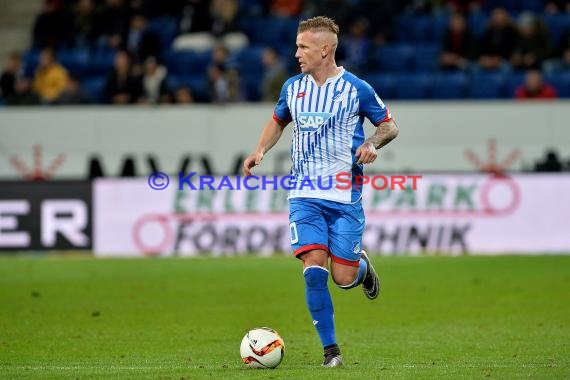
(385, 132)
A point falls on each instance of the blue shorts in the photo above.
(334, 227)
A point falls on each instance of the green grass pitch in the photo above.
(437, 317)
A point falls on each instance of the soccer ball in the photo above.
(262, 347)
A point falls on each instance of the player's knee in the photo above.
(314, 258)
(343, 279)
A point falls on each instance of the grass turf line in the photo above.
(437, 317)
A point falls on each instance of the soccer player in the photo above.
(327, 106)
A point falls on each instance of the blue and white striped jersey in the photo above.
(327, 129)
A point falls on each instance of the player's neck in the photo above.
(323, 73)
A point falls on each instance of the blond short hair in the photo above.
(319, 24)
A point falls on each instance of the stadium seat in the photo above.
(166, 28)
(426, 57)
(266, 31)
(383, 84)
(198, 85)
(561, 82)
(393, 57)
(478, 22)
(413, 29)
(30, 61)
(413, 86)
(557, 24)
(512, 6)
(248, 59)
(512, 82)
(422, 29)
(250, 85)
(440, 23)
(102, 60)
(404, 28)
(76, 61)
(449, 85)
(487, 85)
(531, 5)
(187, 62)
(94, 87)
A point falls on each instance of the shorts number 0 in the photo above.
(294, 235)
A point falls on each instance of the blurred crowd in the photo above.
(219, 51)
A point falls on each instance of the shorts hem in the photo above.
(340, 260)
(310, 247)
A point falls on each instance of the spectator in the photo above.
(535, 88)
(73, 93)
(53, 27)
(356, 46)
(195, 17)
(565, 49)
(223, 84)
(464, 6)
(224, 81)
(224, 24)
(458, 44)
(285, 8)
(183, 95)
(424, 6)
(84, 23)
(533, 45)
(12, 71)
(551, 163)
(274, 76)
(498, 41)
(121, 86)
(113, 24)
(223, 14)
(142, 42)
(339, 10)
(380, 15)
(561, 61)
(23, 94)
(155, 89)
(220, 54)
(555, 6)
(51, 78)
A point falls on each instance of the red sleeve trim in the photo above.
(311, 247)
(388, 117)
(280, 121)
(344, 261)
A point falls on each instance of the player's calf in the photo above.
(371, 282)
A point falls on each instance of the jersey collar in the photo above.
(330, 79)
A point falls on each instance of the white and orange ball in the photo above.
(262, 347)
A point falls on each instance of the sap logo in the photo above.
(311, 121)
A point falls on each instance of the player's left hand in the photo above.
(252, 160)
(366, 153)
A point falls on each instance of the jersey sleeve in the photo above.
(281, 113)
(371, 106)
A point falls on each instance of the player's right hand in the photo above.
(252, 160)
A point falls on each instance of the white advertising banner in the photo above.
(444, 214)
(60, 143)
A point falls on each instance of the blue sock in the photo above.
(362, 268)
(319, 303)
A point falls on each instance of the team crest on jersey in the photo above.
(356, 246)
(312, 121)
(337, 96)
